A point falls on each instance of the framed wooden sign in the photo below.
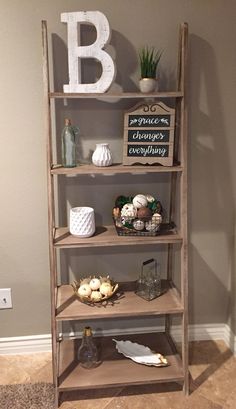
(149, 135)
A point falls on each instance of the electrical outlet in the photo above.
(5, 298)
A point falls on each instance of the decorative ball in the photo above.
(157, 218)
(96, 296)
(144, 213)
(106, 289)
(126, 221)
(139, 201)
(84, 290)
(151, 226)
(138, 225)
(129, 211)
(150, 198)
(94, 283)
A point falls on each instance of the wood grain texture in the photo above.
(50, 196)
(106, 236)
(184, 200)
(123, 304)
(114, 169)
(115, 95)
(115, 369)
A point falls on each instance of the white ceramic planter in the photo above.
(148, 85)
(102, 155)
(82, 221)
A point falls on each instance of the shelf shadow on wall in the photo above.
(210, 184)
(91, 116)
(91, 121)
(124, 55)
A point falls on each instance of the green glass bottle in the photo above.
(68, 145)
(87, 353)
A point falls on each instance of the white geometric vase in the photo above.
(82, 221)
(102, 155)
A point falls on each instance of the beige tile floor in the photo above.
(213, 382)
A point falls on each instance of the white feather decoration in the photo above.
(140, 353)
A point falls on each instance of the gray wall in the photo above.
(212, 179)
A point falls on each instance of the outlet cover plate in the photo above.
(5, 298)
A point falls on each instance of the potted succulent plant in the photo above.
(149, 60)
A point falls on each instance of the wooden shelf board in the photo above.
(89, 169)
(116, 95)
(123, 304)
(115, 369)
(107, 236)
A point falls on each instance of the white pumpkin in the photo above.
(84, 290)
(96, 296)
(106, 289)
(94, 283)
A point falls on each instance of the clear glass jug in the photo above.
(87, 353)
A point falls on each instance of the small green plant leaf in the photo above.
(149, 60)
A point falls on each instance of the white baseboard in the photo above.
(42, 343)
(25, 344)
(230, 339)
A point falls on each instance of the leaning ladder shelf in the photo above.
(115, 371)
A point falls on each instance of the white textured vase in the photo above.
(82, 221)
(148, 85)
(102, 155)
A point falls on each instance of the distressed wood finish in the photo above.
(51, 208)
(123, 304)
(116, 370)
(183, 204)
(106, 236)
(116, 95)
(114, 169)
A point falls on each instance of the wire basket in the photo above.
(125, 226)
(97, 295)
